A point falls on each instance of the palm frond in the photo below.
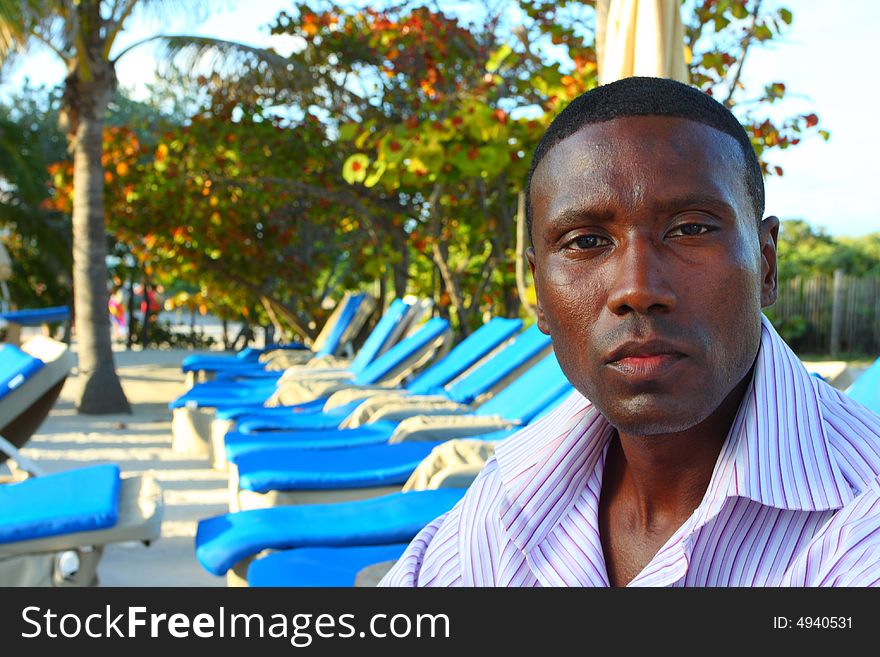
(12, 26)
(158, 10)
(195, 10)
(24, 20)
(197, 54)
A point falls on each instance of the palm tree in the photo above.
(82, 33)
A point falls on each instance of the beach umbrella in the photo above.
(640, 37)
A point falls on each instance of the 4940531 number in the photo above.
(824, 622)
(813, 623)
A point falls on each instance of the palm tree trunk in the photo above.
(100, 391)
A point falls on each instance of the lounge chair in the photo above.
(341, 405)
(403, 420)
(233, 540)
(410, 354)
(493, 373)
(319, 566)
(193, 411)
(317, 561)
(16, 319)
(31, 378)
(229, 543)
(340, 330)
(336, 469)
(53, 527)
(359, 405)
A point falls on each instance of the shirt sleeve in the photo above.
(406, 571)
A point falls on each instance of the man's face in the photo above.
(649, 269)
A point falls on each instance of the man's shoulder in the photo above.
(529, 446)
(480, 508)
(853, 430)
(846, 551)
(831, 397)
(436, 555)
(486, 491)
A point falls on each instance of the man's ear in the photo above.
(542, 320)
(769, 236)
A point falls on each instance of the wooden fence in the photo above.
(829, 314)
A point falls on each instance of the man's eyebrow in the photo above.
(573, 216)
(696, 202)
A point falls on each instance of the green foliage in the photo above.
(37, 240)
(793, 329)
(37, 227)
(719, 36)
(805, 251)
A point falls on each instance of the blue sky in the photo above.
(826, 60)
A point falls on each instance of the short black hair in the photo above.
(639, 96)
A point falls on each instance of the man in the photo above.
(706, 455)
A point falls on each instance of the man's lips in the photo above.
(645, 359)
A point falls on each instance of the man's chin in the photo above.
(648, 420)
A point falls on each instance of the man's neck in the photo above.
(652, 484)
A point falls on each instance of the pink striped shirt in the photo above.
(794, 499)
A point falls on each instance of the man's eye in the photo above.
(588, 242)
(689, 230)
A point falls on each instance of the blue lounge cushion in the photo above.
(264, 412)
(222, 541)
(37, 316)
(211, 362)
(247, 358)
(246, 375)
(320, 566)
(304, 469)
(379, 335)
(84, 499)
(383, 365)
(346, 316)
(464, 355)
(377, 433)
(292, 420)
(225, 393)
(528, 345)
(16, 367)
(431, 381)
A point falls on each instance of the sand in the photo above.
(140, 443)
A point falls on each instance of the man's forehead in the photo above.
(654, 159)
(605, 140)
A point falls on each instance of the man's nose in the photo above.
(640, 279)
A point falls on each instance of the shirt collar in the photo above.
(776, 452)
